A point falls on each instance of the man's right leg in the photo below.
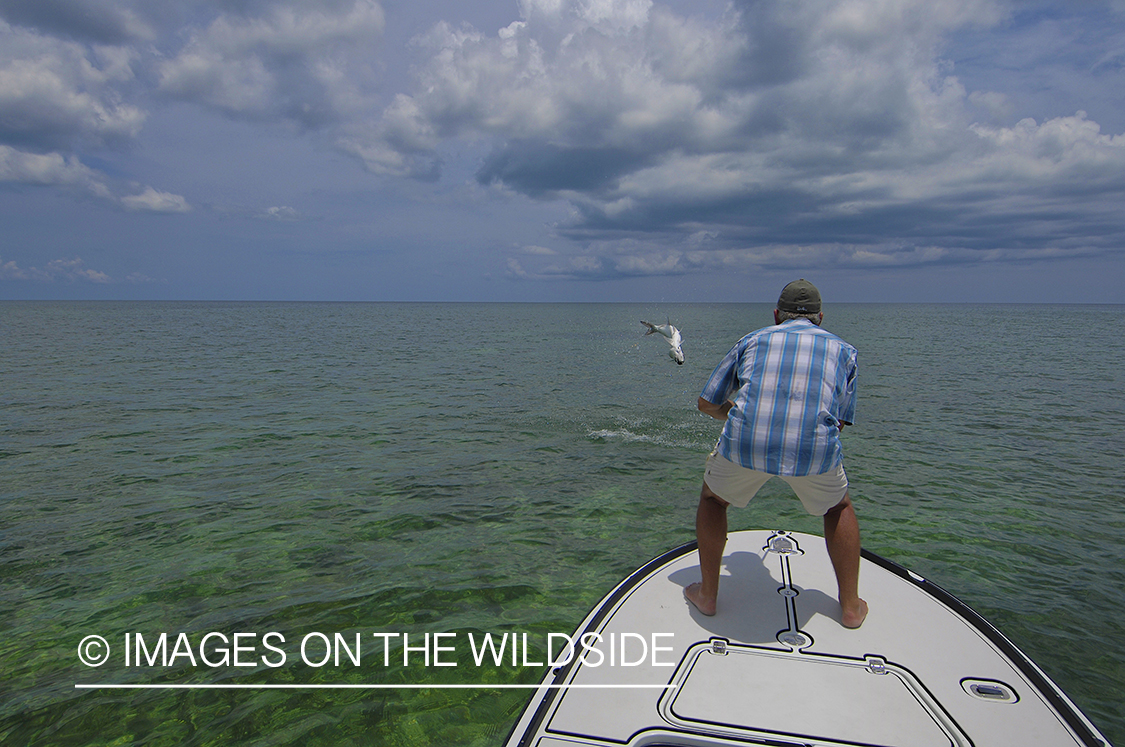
(841, 534)
(711, 534)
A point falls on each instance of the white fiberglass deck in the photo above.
(774, 665)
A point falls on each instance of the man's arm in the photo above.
(719, 412)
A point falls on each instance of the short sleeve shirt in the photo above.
(792, 385)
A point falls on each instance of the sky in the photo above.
(563, 150)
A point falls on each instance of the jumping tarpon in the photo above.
(672, 335)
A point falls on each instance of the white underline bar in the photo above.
(113, 686)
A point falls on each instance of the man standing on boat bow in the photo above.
(785, 393)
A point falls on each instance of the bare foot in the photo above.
(694, 594)
(853, 615)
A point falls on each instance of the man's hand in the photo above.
(719, 411)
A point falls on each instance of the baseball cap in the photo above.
(799, 297)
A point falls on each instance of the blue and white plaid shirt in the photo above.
(792, 385)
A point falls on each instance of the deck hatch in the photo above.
(827, 699)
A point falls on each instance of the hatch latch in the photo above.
(876, 664)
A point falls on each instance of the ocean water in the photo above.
(471, 469)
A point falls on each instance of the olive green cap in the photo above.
(799, 297)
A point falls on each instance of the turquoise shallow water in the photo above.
(487, 468)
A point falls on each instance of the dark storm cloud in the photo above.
(539, 169)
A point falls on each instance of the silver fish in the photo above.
(672, 335)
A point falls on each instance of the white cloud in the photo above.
(1061, 148)
(280, 213)
(74, 269)
(791, 76)
(154, 201)
(57, 269)
(607, 16)
(57, 93)
(289, 62)
(57, 170)
(401, 144)
(50, 169)
(10, 271)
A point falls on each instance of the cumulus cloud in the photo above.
(629, 83)
(70, 270)
(291, 61)
(56, 93)
(58, 96)
(402, 143)
(826, 131)
(57, 170)
(281, 213)
(72, 70)
(50, 169)
(154, 201)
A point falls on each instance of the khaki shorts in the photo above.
(737, 485)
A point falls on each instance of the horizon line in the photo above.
(546, 303)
